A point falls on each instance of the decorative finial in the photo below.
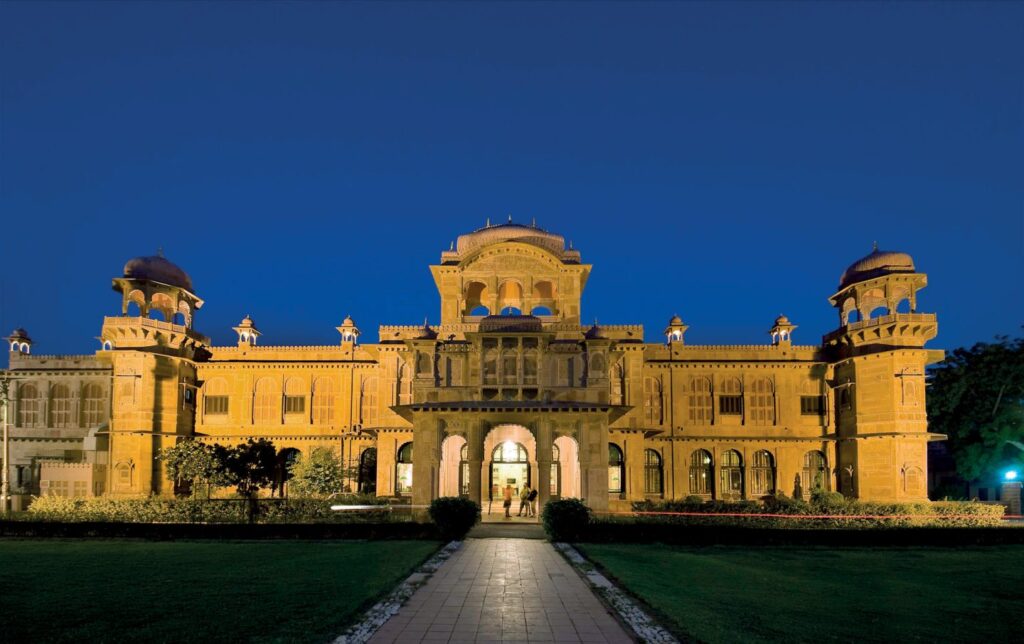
(510, 219)
(159, 251)
(534, 222)
(488, 224)
(570, 244)
(425, 321)
(452, 245)
(874, 247)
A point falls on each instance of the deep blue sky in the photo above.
(307, 161)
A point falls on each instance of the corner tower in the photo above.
(154, 373)
(510, 268)
(878, 377)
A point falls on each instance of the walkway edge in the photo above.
(638, 620)
(385, 609)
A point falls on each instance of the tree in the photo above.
(249, 466)
(319, 474)
(977, 399)
(191, 464)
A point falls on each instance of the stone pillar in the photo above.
(545, 440)
(1011, 497)
(426, 460)
(475, 449)
(594, 465)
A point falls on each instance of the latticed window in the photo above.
(616, 469)
(509, 367)
(652, 401)
(730, 400)
(215, 397)
(60, 406)
(762, 402)
(266, 403)
(294, 396)
(700, 401)
(531, 369)
(732, 475)
(701, 472)
(29, 404)
(762, 474)
(815, 474)
(812, 405)
(653, 475)
(368, 401)
(490, 373)
(403, 470)
(93, 405)
(323, 401)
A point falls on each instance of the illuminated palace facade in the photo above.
(509, 387)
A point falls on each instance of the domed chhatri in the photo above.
(157, 268)
(876, 264)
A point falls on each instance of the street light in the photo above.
(1010, 475)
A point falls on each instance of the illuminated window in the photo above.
(616, 469)
(815, 473)
(653, 476)
(701, 472)
(732, 475)
(762, 474)
(403, 470)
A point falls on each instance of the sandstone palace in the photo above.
(509, 387)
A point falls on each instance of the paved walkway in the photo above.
(503, 590)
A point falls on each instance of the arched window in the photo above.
(913, 481)
(815, 474)
(93, 405)
(730, 398)
(295, 397)
(490, 365)
(531, 364)
(652, 401)
(323, 401)
(29, 406)
(368, 402)
(616, 469)
(762, 474)
(215, 397)
(403, 470)
(266, 404)
(701, 472)
(476, 296)
(762, 402)
(60, 406)
(700, 401)
(464, 470)
(598, 364)
(541, 310)
(368, 471)
(404, 385)
(618, 385)
(653, 475)
(510, 294)
(556, 471)
(509, 452)
(732, 475)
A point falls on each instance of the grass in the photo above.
(733, 594)
(276, 591)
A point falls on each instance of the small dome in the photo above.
(157, 268)
(878, 263)
(19, 334)
(675, 321)
(782, 320)
(595, 333)
(511, 324)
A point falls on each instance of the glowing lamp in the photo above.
(1010, 475)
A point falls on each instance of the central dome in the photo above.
(878, 263)
(510, 232)
(157, 268)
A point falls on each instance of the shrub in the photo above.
(694, 499)
(454, 516)
(828, 502)
(565, 519)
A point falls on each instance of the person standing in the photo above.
(531, 508)
(524, 500)
(508, 500)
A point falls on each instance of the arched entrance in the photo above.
(454, 472)
(565, 468)
(510, 459)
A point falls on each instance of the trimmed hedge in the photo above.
(241, 530)
(565, 519)
(454, 516)
(157, 510)
(831, 506)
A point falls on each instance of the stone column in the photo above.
(475, 449)
(594, 464)
(545, 440)
(426, 461)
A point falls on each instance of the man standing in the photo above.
(524, 500)
(508, 500)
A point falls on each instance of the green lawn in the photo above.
(734, 594)
(276, 591)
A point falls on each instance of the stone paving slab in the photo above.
(503, 590)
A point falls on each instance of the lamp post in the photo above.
(5, 481)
